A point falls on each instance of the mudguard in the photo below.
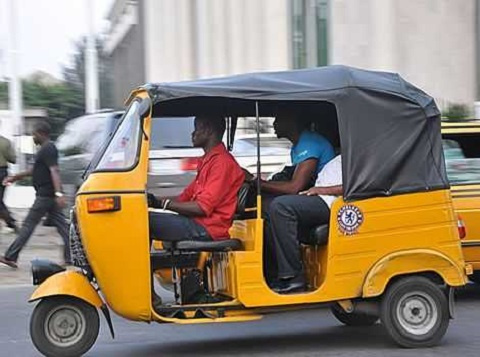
(68, 283)
(411, 262)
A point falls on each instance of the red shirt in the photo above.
(215, 189)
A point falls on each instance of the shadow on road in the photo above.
(338, 337)
(470, 292)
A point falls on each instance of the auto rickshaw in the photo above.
(391, 251)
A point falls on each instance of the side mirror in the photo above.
(144, 110)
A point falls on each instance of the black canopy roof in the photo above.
(389, 129)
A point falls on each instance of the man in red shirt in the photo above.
(206, 207)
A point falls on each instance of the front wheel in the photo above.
(64, 326)
(415, 312)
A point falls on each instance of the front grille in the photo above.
(79, 259)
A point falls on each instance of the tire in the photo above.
(415, 312)
(353, 319)
(64, 326)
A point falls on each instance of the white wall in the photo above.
(431, 43)
(203, 38)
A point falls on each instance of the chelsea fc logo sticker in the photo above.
(349, 218)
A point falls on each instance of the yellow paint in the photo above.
(68, 283)
(409, 262)
(117, 243)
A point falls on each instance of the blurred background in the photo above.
(76, 61)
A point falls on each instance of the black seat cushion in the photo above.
(211, 246)
(316, 236)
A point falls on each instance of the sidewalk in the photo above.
(45, 243)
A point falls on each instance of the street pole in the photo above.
(15, 85)
(91, 71)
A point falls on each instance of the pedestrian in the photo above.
(7, 155)
(49, 197)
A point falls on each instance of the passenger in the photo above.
(309, 154)
(288, 215)
(206, 207)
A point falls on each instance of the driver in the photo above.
(206, 207)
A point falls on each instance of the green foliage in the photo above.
(65, 100)
(456, 112)
(3, 94)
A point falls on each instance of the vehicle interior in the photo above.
(201, 268)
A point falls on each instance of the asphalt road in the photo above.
(302, 333)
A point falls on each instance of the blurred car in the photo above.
(82, 137)
(173, 159)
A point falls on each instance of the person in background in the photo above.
(49, 197)
(7, 155)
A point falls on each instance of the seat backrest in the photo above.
(245, 199)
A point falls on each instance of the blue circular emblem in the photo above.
(349, 218)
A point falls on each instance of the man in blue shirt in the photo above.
(309, 154)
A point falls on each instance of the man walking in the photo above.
(7, 155)
(49, 197)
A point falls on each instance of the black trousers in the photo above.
(4, 212)
(174, 228)
(288, 216)
(41, 207)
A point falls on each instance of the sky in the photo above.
(47, 32)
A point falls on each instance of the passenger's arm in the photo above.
(301, 176)
(330, 191)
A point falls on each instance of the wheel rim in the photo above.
(417, 313)
(65, 326)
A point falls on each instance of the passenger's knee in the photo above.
(280, 205)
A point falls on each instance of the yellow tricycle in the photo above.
(390, 253)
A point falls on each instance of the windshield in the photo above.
(121, 152)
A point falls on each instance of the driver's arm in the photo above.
(301, 176)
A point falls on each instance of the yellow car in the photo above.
(391, 252)
(461, 145)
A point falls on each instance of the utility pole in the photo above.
(91, 70)
(15, 85)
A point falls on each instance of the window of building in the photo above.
(309, 33)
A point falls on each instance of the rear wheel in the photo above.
(64, 326)
(415, 312)
(353, 319)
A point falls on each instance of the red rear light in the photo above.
(462, 232)
(189, 164)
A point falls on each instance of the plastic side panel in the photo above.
(68, 283)
(411, 262)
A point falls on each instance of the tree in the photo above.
(74, 75)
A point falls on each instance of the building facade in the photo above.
(432, 43)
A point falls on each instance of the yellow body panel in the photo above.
(405, 223)
(68, 283)
(466, 202)
(117, 243)
(409, 262)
